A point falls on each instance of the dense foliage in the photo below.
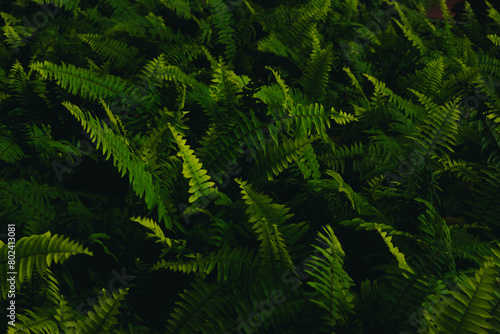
(247, 166)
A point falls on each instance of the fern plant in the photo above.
(287, 167)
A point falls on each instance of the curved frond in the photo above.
(9, 151)
(34, 252)
(181, 7)
(83, 82)
(199, 181)
(330, 280)
(472, 305)
(116, 146)
(277, 157)
(267, 217)
(119, 53)
(103, 317)
(235, 264)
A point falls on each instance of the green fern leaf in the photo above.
(470, 307)
(103, 317)
(267, 218)
(118, 53)
(157, 231)
(124, 10)
(199, 181)
(222, 21)
(315, 77)
(39, 320)
(400, 257)
(9, 151)
(358, 202)
(277, 157)
(438, 132)
(69, 4)
(272, 44)
(203, 301)
(81, 81)
(235, 264)
(42, 140)
(35, 251)
(330, 280)
(181, 7)
(158, 70)
(309, 165)
(116, 146)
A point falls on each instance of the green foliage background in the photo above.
(307, 166)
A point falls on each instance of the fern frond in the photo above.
(118, 53)
(330, 280)
(471, 305)
(305, 117)
(381, 88)
(49, 148)
(485, 204)
(203, 301)
(488, 63)
(184, 53)
(358, 203)
(201, 187)
(438, 131)
(274, 45)
(267, 217)
(234, 264)
(336, 159)
(315, 77)
(29, 202)
(83, 82)
(309, 165)
(493, 13)
(181, 7)
(35, 251)
(356, 84)
(54, 314)
(69, 4)
(124, 159)
(149, 148)
(124, 10)
(430, 80)
(103, 317)
(226, 85)
(495, 39)
(430, 106)
(386, 232)
(298, 35)
(371, 226)
(271, 95)
(277, 157)
(9, 151)
(462, 169)
(39, 320)
(157, 231)
(407, 29)
(157, 29)
(158, 70)
(400, 257)
(223, 150)
(412, 37)
(222, 21)
(281, 83)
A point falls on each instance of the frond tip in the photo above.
(199, 181)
